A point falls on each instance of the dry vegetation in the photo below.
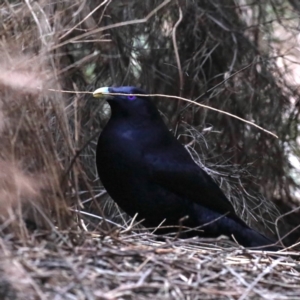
(54, 241)
(138, 267)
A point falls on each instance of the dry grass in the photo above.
(137, 266)
(48, 176)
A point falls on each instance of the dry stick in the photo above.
(287, 234)
(267, 270)
(132, 224)
(120, 24)
(179, 98)
(82, 212)
(77, 153)
(176, 121)
(77, 167)
(93, 41)
(181, 220)
(217, 85)
(176, 51)
(201, 105)
(86, 17)
(35, 17)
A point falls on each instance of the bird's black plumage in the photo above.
(147, 171)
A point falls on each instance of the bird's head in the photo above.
(127, 101)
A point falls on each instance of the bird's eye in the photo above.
(131, 97)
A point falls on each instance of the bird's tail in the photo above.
(253, 239)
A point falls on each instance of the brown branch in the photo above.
(120, 24)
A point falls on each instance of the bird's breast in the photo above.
(118, 149)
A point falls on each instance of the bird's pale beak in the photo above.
(101, 92)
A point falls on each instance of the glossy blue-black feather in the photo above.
(147, 171)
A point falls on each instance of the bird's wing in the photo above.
(188, 180)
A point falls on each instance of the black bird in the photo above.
(146, 170)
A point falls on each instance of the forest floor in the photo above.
(72, 265)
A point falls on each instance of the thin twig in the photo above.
(117, 25)
(176, 51)
(183, 99)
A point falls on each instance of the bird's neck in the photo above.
(140, 129)
(136, 124)
(141, 119)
